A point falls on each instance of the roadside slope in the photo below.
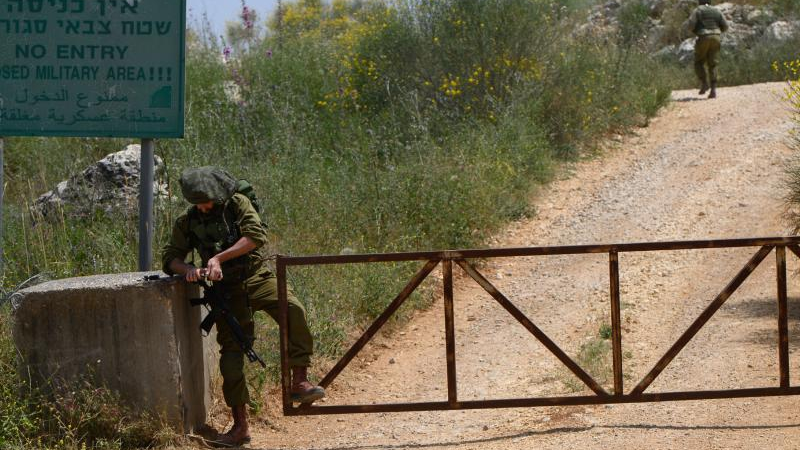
(702, 169)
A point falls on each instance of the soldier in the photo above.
(707, 23)
(225, 229)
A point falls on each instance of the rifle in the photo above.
(216, 299)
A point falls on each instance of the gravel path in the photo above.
(702, 169)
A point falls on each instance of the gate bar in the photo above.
(616, 322)
(283, 321)
(704, 317)
(783, 316)
(545, 401)
(450, 332)
(541, 251)
(530, 326)
(379, 322)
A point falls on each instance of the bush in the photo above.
(791, 71)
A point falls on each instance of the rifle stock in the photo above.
(215, 298)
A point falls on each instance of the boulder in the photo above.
(655, 36)
(655, 7)
(111, 184)
(685, 51)
(782, 31)
(759, 17)
(739, 35)
(667, 53)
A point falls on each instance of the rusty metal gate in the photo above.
(461, 257)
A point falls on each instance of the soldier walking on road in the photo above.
(223, 226)
(707, 23)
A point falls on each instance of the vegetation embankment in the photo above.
(365, 127)
(791, 70)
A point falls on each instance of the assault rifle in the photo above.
(216, 300)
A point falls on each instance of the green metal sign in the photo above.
(92, 68)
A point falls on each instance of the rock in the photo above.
(739, 35)
(759, 17)
(782, 31)
(111, 184)
(734, 12)
(667, 52)
(655, 36)
(655, 7)
(685, 51)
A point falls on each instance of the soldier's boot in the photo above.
(713, 93)
(302, 390)
(239, 434)
(703, 88)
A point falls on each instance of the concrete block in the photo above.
(140, 337)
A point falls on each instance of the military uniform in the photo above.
(249, 282)
(707, 23)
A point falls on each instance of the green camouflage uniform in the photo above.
(708, 24)
(247, 279)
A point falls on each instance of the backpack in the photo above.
(245, 188)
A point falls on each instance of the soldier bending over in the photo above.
(225, 229)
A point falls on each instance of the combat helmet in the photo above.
(207, 183)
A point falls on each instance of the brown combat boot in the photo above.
(302, 390)
(713, 93)
(703, 88)
(239, 434)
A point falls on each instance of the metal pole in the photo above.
(147, 165)
(616, 322)
(783, 317)
(450, 332)
(283, 324)
(2, 193)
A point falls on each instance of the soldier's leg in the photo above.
(700, 56)
(712, 58)
(263, 295)
(263, 292)
(231, 360)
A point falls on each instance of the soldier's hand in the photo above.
(194, 274)
(214, 269)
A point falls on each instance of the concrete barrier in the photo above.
(141, 338)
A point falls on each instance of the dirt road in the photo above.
(702, 169)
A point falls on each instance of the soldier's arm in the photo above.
(188, 271)
(174, 252)
(243, 246)
(248, 220)
(690, 24)
(253, 235)
(723, 24)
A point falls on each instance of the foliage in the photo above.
(605, 331)
(755, 64)
(791, 70)
(595, 357)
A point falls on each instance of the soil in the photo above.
(703, 169)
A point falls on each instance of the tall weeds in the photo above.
(791, 71)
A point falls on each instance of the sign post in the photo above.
(95, 68)
(147, 167)
(2, 194)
